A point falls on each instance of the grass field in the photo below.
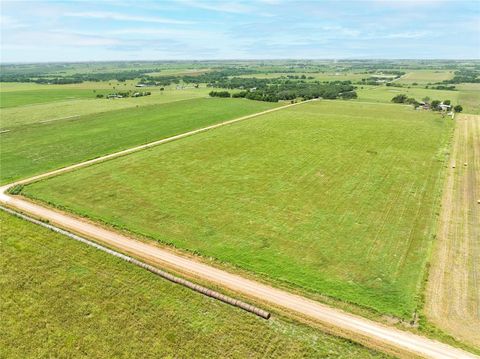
(36, 148)
(468, 95)
(61, 298)
(329, 76)
(469, 98)
(386, 93)
(24, 115)
(19, 98)
(423, 77)
(333, 197)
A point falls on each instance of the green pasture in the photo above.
(320, 76)
(331, 197)
(423, 77)
(62, 110)
(20, 98)
(36, 148)
(63, 299)
(467, 95)
(386, 93)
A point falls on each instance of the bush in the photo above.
(219, 94)
(400, 98)
(458, 108)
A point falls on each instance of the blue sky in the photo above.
(41, 31)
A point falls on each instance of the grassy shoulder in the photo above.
(334, 198)
(40, 147)
(64, 299)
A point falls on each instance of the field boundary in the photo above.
(347, 325)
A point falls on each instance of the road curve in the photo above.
(351, 326)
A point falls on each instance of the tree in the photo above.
(426, 99)
(458, 108)
(412, 101)
(435, 105)
(400, 98)
(446, 102)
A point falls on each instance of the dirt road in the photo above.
(357, 328)
(453, 291)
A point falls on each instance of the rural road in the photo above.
(348, 325)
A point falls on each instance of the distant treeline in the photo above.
(292, 91)
(464, 75)
(120, 76)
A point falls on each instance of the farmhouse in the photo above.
(444, 107)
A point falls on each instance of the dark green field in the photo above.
(62, 299)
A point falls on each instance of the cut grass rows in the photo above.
(334, 198)
(37, 148)
(60, 298)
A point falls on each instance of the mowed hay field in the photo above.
(453, 290)
(329, 197)
(36, 148)
(63, 299)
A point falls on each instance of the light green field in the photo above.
(422, 77)
(330, 197)
(338, 76)
(63, 299)
(469, 98)
(386, 93)
(19, 98)
(53, 111)
(468, 95)
(36, 148)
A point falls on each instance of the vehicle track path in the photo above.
(354, 327)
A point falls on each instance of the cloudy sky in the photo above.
(263, 29)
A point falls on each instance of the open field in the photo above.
(468, 96)
(423, 77)
(24, 115)
(39, 147)
(107, 308)
(453, 291)
(386, 93)
(19, 98)
(335, 198)
(334, 76)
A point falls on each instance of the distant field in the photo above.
(19, 98)
(60, 298)
(340, 76)
(332, 197)
(468, 95)
(469, 98)
(39, 147)
(422, 77)
(53, 111)
(386, 93)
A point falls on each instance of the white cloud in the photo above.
(7, 22)
(124, 17)
(221, 6)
